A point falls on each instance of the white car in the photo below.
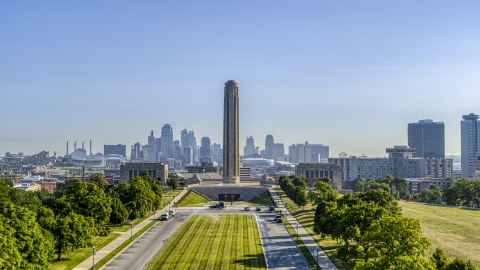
(171, 213)
(247, 208)
(165, 216)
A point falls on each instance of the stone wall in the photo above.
(246, 192)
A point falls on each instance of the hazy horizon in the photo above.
(347, 75)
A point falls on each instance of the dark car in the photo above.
(277, 217)
(279, 220)
(219, 206)
(258, 208)
(271, 209)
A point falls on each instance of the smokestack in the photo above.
(83, 145)
(90, 147)
(75, 146)
(67, 148)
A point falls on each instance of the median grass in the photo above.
(213, 242)
(455, 230)
(305, 217)
(73, 259)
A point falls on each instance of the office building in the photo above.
(167, 140)
(152, 149)
(300, 153)
(157, 170)
(205, 148)
(279, 152)
(470, 146)
(249, 148)
(269, 148)
(428, 138)
(399, 163)
(320, 153)
(315, 171)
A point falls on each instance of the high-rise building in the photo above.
(217, 152)
(231, 153)
(428, 138)
(184, 139)
(249, 148)
(192, 141)
(322, 150)
(300, 153)
(188, 155)
(470, 144)
(152, 149)
(136, 153)
(279, 152)
(167, 140)
(269, 147)
(205, 148)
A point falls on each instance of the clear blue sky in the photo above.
(348, 74)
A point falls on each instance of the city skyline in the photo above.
(348, 76)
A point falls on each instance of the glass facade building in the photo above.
(428, 138)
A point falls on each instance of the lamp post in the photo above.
(316, 255)
(94, 252)
(131, 231)
(297, 230)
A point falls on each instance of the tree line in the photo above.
(36, 227)
(372, 230)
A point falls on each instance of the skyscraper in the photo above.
(249, 148)
(152, 149)
(167, 140)
(269, 147)
(184, 139)
(470, 142)
(428, 138)
(231, 153)
(205, 148)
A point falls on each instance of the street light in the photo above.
(316, 255)
(131, 231)
(93, 257)
(297, 230)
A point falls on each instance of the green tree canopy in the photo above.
(119, 213)
(72, 231)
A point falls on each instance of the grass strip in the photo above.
(112, 254)
(212, 258)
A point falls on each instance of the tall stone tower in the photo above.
(231, 154)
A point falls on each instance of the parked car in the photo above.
(165, 216)
(247, 208)
(277, 217)
(258, 208)
(279, 220)
(271, 209)
(171, 213)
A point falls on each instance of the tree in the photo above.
(400, 184)
(439, 259)
(86, 199)
(99, 180)
(392, 239)
(301, 197)
(326, 217)
(119, 213)
(322, 191)
(25, 238)
(72, 231)
(137, 197)
(459, 264)
(172, 183)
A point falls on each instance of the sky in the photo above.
(347, 74)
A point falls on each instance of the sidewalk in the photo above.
(124, 236)
(323, 260)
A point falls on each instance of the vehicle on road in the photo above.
(165, 216)
(171, 213)
(247, 208)
(219, 206)
(271, 209)
(277, 217)
(279, 220)
(258, 208)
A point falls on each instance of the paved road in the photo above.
(279, 248)
(138, 254)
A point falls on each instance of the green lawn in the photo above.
(305, 217)
(455, 230)
(213, 242)
(262, 199)
(193, 199)
(73, 259)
